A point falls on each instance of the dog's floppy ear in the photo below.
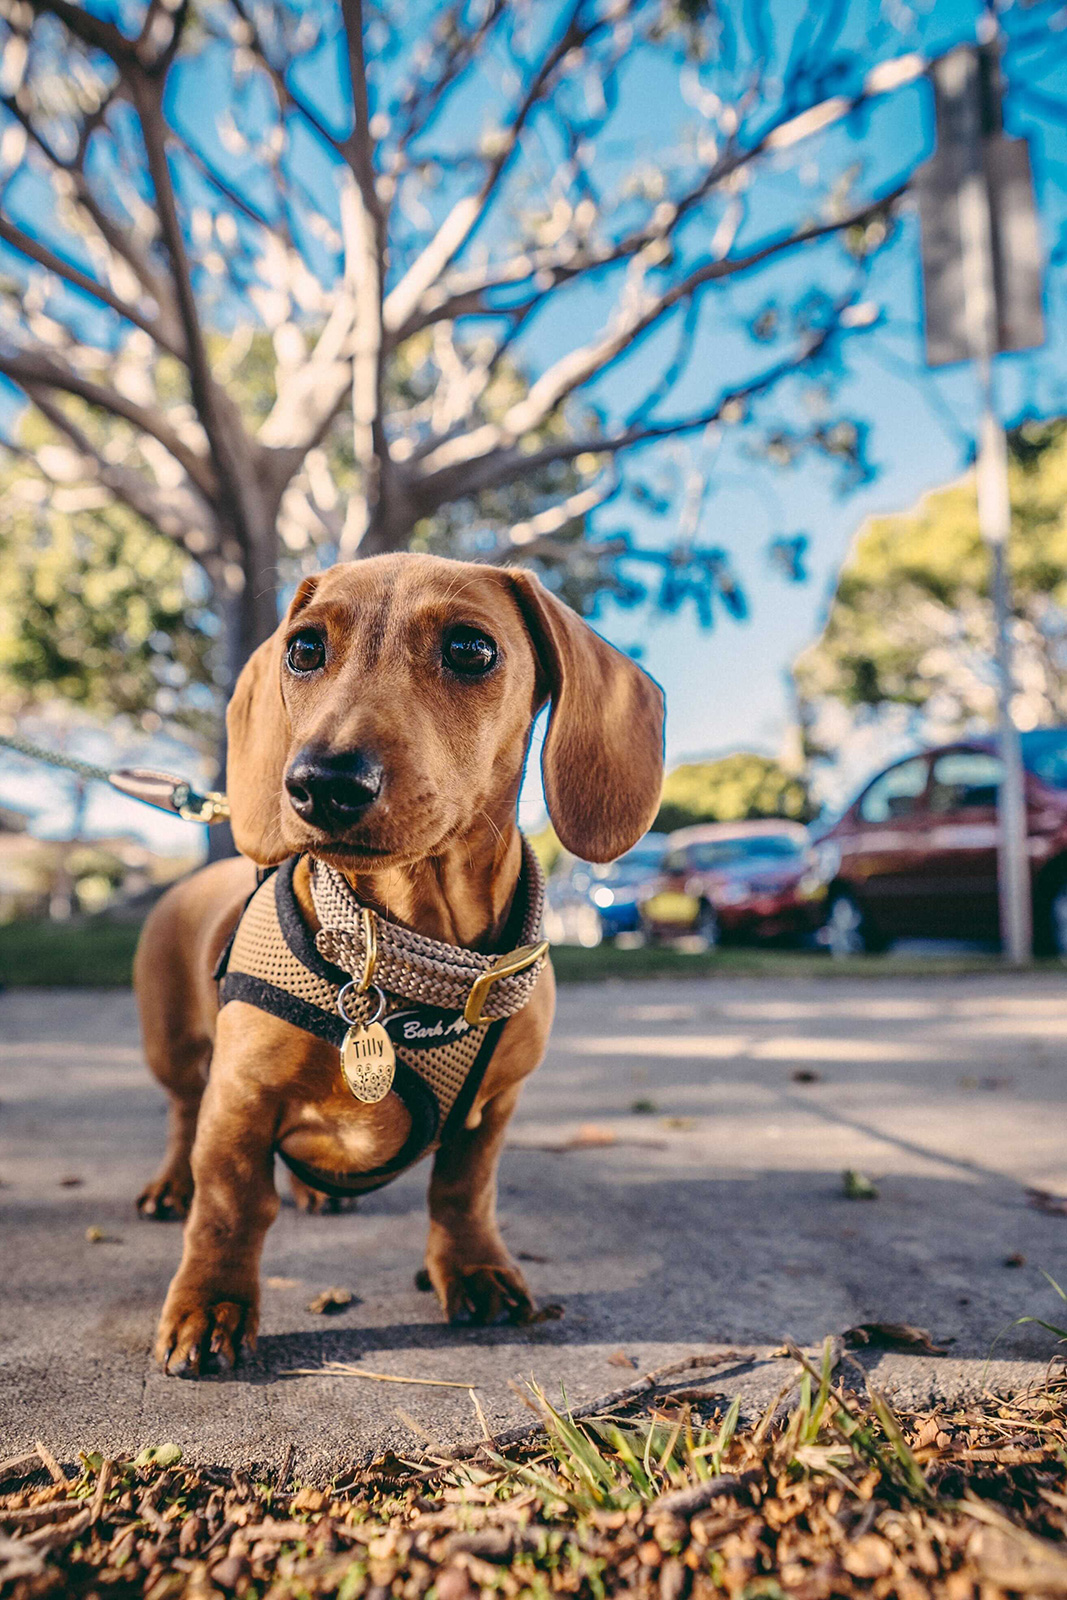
(602, 761)
(257, 744)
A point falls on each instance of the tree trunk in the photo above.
(392, 518)
(248, 617)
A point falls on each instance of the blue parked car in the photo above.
(587, 903)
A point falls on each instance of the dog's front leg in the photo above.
(466, 1259)
(212, 1306)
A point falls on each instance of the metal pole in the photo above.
(994, 518)
(994, 509)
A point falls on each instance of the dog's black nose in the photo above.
(333, 791)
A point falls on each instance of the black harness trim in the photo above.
(425, 1115)
(280, 1003)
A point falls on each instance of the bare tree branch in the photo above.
(466, 214)
(27, 246)
(39, 370)
(466, 294)
(116, 237)
(580, 366)
(173, 515)
(421, 103)
(289, 98)
(507, 465)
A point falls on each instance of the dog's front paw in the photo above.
(168, 1197)
(200, 1332)
(316, 1204)
(484, 1293)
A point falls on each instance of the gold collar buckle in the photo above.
(505, 966)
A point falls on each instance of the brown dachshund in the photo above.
(383, 729)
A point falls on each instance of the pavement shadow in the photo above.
(747, 1260)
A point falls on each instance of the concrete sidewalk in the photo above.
(715, 1219)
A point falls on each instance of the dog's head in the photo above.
(392, 709)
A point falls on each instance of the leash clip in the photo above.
(505, 966)
(171, 794)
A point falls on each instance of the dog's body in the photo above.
(383, 729)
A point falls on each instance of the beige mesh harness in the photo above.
(274, 963)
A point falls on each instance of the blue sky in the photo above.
(727, 686)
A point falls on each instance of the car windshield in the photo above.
(631, 868)
(1045, 755)
(762, 847)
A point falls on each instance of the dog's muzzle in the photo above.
(333, 792)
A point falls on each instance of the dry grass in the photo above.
(660, 1495)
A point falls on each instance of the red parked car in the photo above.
(722, 880)
(915, 856)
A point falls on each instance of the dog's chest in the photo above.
(342, 1135)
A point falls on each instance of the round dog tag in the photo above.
(368, 1062)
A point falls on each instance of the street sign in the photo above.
(971, 146)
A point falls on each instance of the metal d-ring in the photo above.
(354, 1022)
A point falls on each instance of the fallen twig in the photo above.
(55, 1471)
(23, 1466)
(103, 1484)
(345, 1369)
(683, 1502)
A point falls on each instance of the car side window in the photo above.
(896, 793)
(676, 861)
(964, 780)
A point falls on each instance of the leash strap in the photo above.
(159, 789)
(382, 955)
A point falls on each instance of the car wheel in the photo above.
(1050, 932)
(844, 932)
(706, 926)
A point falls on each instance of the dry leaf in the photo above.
(589, 1135)
(552, 1312)
(619, 1358)
(892, 1336)
(928, 1433)
(1016, 1259)
(1053, 1205)
(330, 1302)
(870, 1557)
(283, 1283)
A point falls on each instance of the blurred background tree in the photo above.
(288, 282)
(736, 788)
(909, 634)
(95, 608)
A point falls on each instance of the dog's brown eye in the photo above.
(469, 651)
(306, 652)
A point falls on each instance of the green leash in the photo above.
(157, 789)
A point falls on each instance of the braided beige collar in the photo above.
(397, 961)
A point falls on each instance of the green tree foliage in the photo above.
(733, 789)
(911, 622)
(95, 606)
